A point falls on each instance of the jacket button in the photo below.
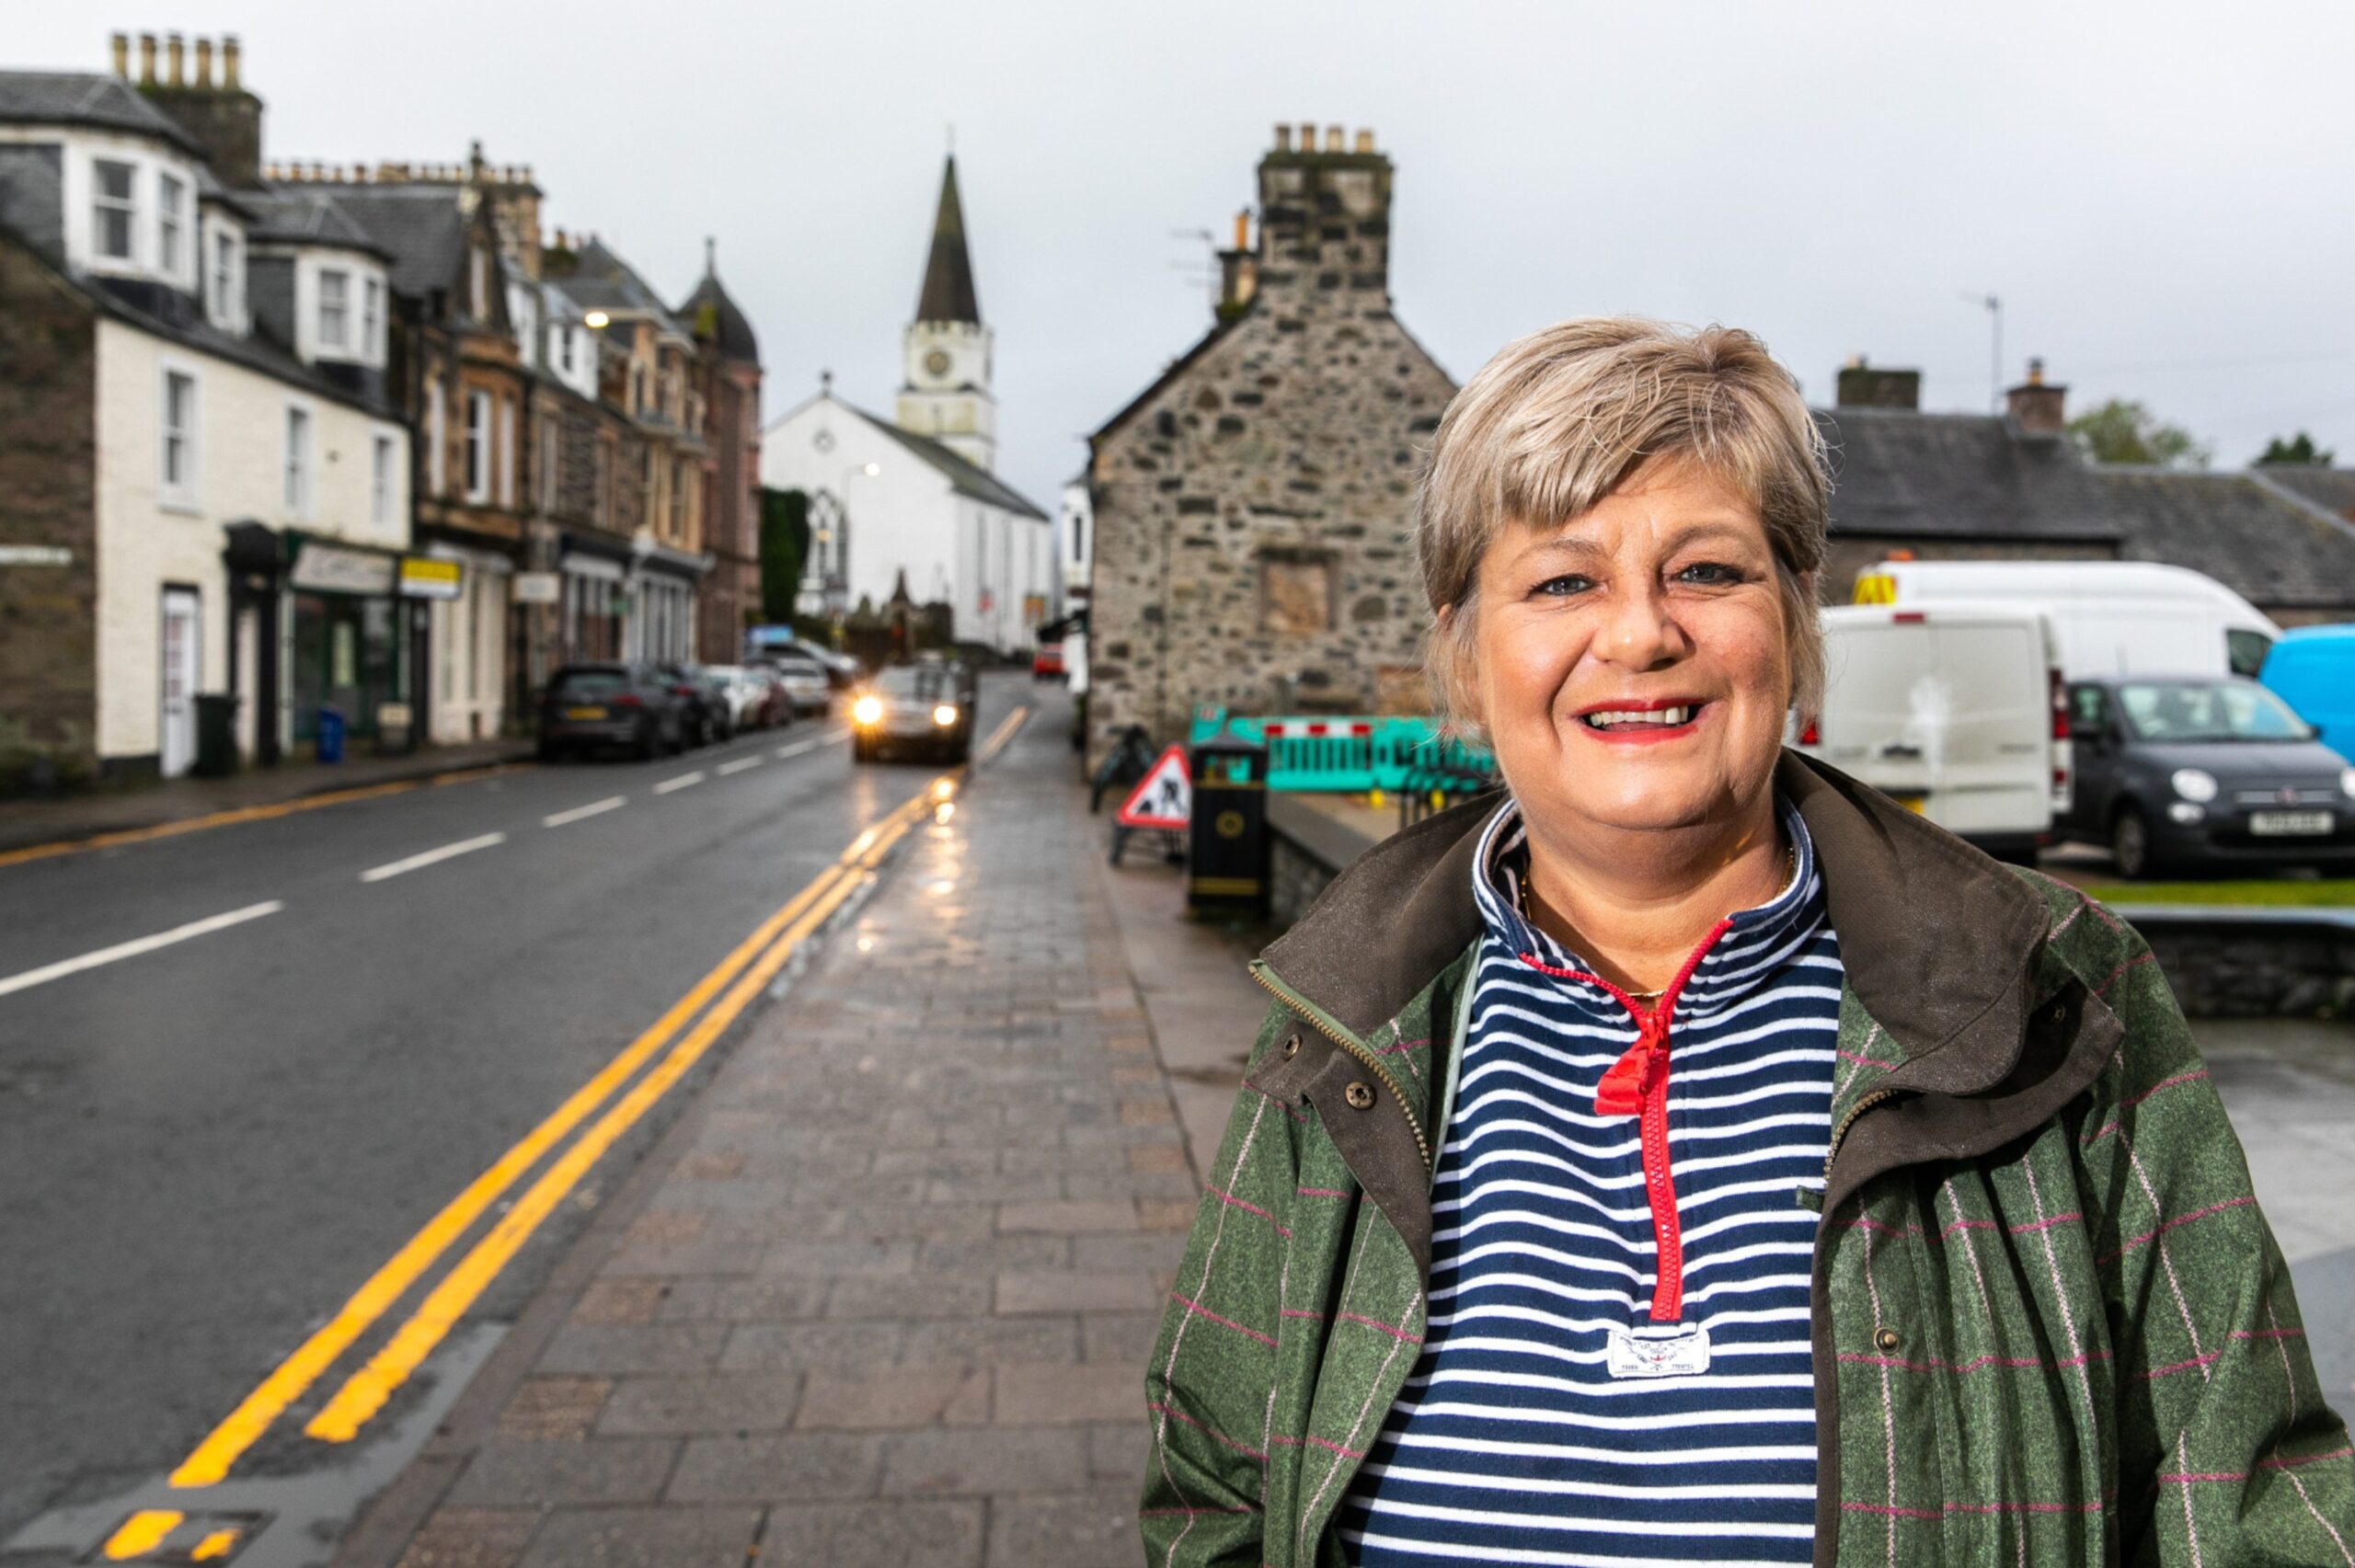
(1887, 1339)
(1292, 1046)
(1360, 1094)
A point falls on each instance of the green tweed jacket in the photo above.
(2050, 1324)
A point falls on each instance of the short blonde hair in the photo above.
(1561, 419)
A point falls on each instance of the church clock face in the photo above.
(936, 362)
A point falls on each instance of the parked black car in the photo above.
(705, 698)
(592, 705)
(2203, 772)
(912, 707)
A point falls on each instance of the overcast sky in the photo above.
(2159, 192)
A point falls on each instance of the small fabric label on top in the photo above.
(1685, 1353)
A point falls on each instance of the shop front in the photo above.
(351, 644)
(592, 606)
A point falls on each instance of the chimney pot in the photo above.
(1307, 136)
(175, 59)
(1283, 133)
(229, 61)
(1366, 141)
(147, 59)
(1243, 230)
(1336, 138)
(122, 55)
(2035, 372)
(204, 64)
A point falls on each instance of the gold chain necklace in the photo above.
(1790, 872)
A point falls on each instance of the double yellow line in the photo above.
(741, 976)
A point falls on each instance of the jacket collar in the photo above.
(1937, 939)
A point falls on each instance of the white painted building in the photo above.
(1074, 545)
(913, 500)
(230, 351)
(894, 506)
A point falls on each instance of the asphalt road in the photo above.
(205, 1147)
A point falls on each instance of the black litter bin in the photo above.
(1228, 864)
(216, 735)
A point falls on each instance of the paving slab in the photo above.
(891, 1299)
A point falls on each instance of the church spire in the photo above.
(948, 273)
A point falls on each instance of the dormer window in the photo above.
(335, 309)
(114, 211)
(226, 278)
(171, 221)
(564, 348)
(372, 315)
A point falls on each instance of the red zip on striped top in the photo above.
(1636, 1085)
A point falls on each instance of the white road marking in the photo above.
(433, 857)
(143, 945)
(739, 765)
(798, 747)
(595, 808)
(682, 782)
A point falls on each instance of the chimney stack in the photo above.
(229, 63)
(2040, 409)
(122, 55)
(175, 61)
(204, 64)
(1868, 386)
(1324, 227)
(147, 59)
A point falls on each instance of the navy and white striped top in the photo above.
(1515, 1441)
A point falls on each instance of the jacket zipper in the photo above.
(1350, 1043)
(1864, 1103)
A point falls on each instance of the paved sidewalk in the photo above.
(891, 1300)
(25, 824)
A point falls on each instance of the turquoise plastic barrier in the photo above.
(1405, 755)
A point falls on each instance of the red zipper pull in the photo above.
(1628, 1080)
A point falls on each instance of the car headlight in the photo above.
(944, 716)
(2347, 781)
(866, 710)
(2195, 783)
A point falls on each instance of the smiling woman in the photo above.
(1757, 1173)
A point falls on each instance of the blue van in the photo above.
(2312, 669)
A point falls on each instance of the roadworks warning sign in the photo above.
(1163, 798)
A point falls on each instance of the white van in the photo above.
(2112, 617)
(1956, 711)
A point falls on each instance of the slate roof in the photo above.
(420, 225)
(295, 215)
(88, 97)
(32, 200)
(725, 324)
(602, 280)
(964, 477)
(2330, 488)
(948, 293)
(1900, 475)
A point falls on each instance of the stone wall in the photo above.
(48, 477)
(1253, 507)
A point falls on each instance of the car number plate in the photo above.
(584, 713)
(2277, 823)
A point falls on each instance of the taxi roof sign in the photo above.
(1164, 798)
(1874, 587)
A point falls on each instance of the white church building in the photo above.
(912, 499)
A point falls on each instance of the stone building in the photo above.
(727, 377)
(1253, 506)
(2013, 486)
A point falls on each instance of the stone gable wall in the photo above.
(1254, 510)
(48, 475)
